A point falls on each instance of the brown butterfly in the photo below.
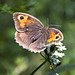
(31, 33)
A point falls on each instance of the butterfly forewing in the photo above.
(53, 36)
(23, 21)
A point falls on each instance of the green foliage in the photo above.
(5, 8)
(14, 60)
(62, 69)
(15, 6)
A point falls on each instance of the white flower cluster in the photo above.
(58, 54)
(57, 74)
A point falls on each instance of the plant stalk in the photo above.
(38, 67)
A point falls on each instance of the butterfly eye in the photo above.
(21, 17)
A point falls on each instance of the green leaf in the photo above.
(5, 9)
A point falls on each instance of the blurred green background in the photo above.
(14, 60)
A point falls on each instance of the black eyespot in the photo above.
(21, 17)
(57, 37)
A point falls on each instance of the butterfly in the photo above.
(31, 33)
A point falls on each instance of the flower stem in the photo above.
(38, 67)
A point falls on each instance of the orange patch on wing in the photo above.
(24, 21)
(52, 37)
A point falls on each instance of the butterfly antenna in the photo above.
(48, 22)
(51, 25)
(56, 25)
